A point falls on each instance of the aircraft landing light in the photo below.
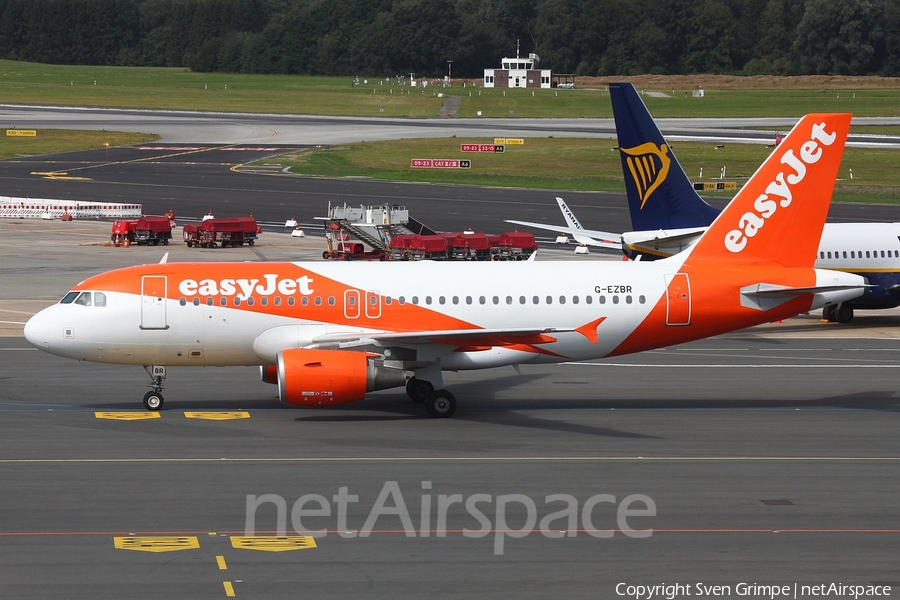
(271, 543)
(218, 416)
(157, 543)
(126, 416)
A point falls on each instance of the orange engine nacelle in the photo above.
(318, 378)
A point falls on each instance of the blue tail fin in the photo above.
(660, 196)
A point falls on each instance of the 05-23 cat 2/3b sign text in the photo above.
(21, 133)
(440, 163)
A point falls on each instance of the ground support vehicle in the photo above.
(146, 230)
(514, 245)
(229, 231)
(418, 247)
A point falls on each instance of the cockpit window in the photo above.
(69, 298)
(84, 299)
(99, 299)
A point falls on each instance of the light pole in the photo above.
(449, 75)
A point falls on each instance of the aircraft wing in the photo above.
(451, 337)
(588, 237)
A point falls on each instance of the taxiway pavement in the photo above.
(770, 456)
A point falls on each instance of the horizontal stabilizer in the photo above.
(765, 296)
(602, 239)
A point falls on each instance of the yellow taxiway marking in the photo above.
(127, 416)
(157, 543)
(229, 589)
(217, 416)
(59, 175)
(272, 543)
(220, 560)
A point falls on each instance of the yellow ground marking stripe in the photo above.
(217, 416)
(156, 543)
(62, 175)
(272, 543)
(127, 416)
(220, 560)
(229, 589)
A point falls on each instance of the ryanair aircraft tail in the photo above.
(660, 196)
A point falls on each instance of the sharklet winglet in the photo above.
(589, 330)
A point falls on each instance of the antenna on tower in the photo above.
(517, 47)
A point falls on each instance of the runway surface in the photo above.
(193, 127)
(766, 456)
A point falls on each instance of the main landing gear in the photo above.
(153, 400)
(439, 404)
(842, 313)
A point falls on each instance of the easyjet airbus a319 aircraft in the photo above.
(327, 333)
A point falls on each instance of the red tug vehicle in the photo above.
(230, 231)
(146, 230)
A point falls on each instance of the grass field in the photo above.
(52, 141)
(179, 88)
(557, 164)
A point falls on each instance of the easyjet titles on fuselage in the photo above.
(751, 222)
(246, 287)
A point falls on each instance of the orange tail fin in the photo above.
(779, 214)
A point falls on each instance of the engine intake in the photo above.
(268, 373)
(318, 378)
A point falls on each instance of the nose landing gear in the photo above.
(153, 400)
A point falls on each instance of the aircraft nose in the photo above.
(37, 330)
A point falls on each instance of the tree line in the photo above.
(391, 37)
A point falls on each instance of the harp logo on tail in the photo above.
(649, 166)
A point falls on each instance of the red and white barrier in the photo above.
(36, 208)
